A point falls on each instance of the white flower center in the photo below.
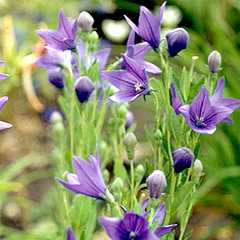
(138, 87)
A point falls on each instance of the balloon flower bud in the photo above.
(129, 120)
(84, 88)
(55, 77)
(85, 21)
(156, 183)
(130, 142)
(197, 170)
(139, 173)
(214, 61)
(177, 40)
(183, 158)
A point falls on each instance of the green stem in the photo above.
(132, 185)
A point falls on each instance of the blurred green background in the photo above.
(27, 207)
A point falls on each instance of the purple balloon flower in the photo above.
(176, 101)
(4, 125)
(138, 52)
(202, 116)
(55, 59)
(88, 179)
(133, 226)
(218, 99)
(131, 82)
(70, 234)
(148, 26)
(64, 37)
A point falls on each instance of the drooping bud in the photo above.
(55, 77)
(130, 142)
(183, 158)
(197, 170)
(84, 88)
(85, 21)
(177, 40)
(156, 183)
(214, 61)
(129, 120)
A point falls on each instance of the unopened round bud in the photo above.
(117, 184)
(85, 21)
(55, 117)
(56, 78)
(129, 119)
(177, 40)
(106, 175)
(139, 172)
(158, 135)
(156, 183)
(130, 142)
(197, 169)
(93, 37)
(122, 111)
(183, 158)
(214, 61)
(84, 88)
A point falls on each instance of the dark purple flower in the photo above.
(177, 40)
(156, 183)
(175, 99)
(64, 37)
(214, 61)
(3, 76)
(4, 125)
(55, 77)
(70, 234)
(183, 158)
(148, 26)
(138, 52)
(131, 83)
(202, 116)
(88, 179)
(129, 120)
(136, 227)
(84, 88)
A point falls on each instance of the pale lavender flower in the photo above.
(131, 83)
(88, 179)
(70, 234)
(64, 38)
(138, 52)
(133, 226)
(101, 56)
(202, 116)
(176, 101)
(148, 26)
(55, 59)
(177, 40)
(4, 125)
(214, 61)
(219, 100)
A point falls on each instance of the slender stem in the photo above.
(132, 184)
